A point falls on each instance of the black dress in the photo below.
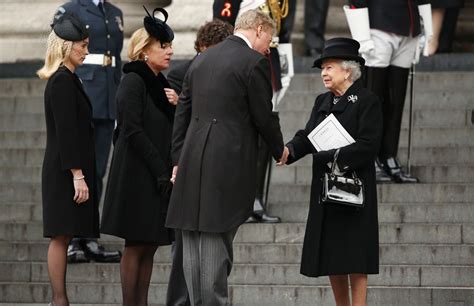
(340, 240)
(134, 208)
(69, 145)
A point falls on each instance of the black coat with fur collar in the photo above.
(134, 209)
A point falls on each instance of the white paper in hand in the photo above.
(330, 134)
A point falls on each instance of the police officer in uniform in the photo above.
(100, 75)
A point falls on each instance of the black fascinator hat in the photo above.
(69, 27)
(158, 28)
(340, 48)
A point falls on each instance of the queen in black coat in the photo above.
(341, 241)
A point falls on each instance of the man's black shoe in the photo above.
(94, 251)
(380, 175)
(392, 167)
(75, 254)
(262, 218)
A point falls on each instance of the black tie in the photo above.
(101, 7)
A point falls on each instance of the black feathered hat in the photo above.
(69, 27)
(340, 48)
(158, 28)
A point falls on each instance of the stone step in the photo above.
(419, 156)
(422, 137)
(298, 212)
(302, 82)
(445, 99)
(298, 173)
(303, 174)
(290, 119)
(388, 212)
(21, 157)
(248, 295)
(424, 82)
(294, 120)
(21, 105)
(389, 233)
(274, 253)
(244, 274)
(392, 193)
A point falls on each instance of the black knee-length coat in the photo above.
(134, 209)
(69, 145)
(340, 240)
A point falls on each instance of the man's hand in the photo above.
(284, 157)
(173, 175)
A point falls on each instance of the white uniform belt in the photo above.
(100, 59)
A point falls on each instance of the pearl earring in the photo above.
(146, 57)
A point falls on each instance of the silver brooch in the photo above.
(352, 98)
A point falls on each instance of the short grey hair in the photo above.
(251, 19)
(354, 68)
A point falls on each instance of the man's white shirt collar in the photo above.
(96, 2)
(247, 41)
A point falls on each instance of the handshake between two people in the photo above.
(282, 161)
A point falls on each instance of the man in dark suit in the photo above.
(225, 104)
(100, 75)
(208, 35)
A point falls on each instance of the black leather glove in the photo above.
(321, 158)
(164, 186)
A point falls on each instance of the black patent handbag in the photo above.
(341, 189)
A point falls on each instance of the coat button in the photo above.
(108, 35)
(214, 121)
(106, 21)
(196, 118)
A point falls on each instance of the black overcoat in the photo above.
(341, 240)
(225, 104)
(134, 209)
(69, 145)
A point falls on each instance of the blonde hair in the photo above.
(58, 50)
(251, 19)
(139, 41)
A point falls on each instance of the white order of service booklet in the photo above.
(330, 134)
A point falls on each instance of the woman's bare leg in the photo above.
(358, 289)
(340, 288)
(57, 265)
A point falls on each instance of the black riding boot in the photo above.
(393, 111)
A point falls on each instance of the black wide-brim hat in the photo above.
(69, 27)
(158, 28)
(340, 48)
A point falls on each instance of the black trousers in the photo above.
(314, 23)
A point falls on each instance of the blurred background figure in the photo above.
(70, 206)
(209, 34)
(138, 189)
(100, 76)
(445, 17)
(389, 52)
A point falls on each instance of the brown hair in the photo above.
(211, 33)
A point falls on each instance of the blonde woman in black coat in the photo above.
(138, 189)
(342, 242)
(68, 175)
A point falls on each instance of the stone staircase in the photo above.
(426, 230)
